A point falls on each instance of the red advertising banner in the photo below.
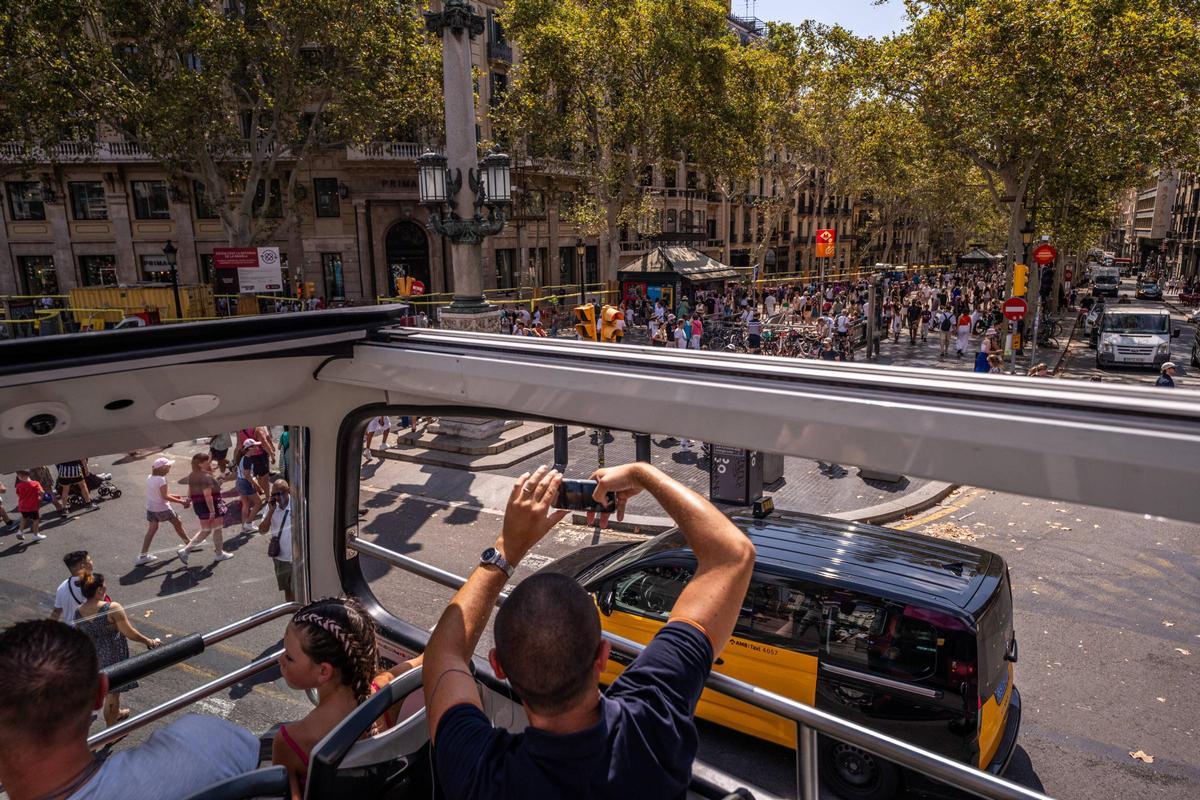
(235, 257)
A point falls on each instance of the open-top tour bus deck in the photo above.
(324, 374)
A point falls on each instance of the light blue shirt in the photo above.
(186, 756)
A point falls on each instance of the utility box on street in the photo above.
(735, 475)
(772, 468)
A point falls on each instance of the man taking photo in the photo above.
(638, 739)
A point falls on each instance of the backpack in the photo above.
(945, 322)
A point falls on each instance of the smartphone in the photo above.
(578, 496)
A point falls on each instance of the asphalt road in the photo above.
(1080, 360)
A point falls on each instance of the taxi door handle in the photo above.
(719, 662)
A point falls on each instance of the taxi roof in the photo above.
(897, 565)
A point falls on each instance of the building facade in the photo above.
(101, 213)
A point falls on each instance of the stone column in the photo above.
(187, 263)
(128, 271)
(60, 229)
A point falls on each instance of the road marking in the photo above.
(217, 706)
(942, 511)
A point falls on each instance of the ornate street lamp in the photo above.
(170, 251)
(497, 177)
(433, 179)
(580, 252)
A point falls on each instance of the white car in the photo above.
(1092, 319)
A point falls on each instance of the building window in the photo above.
(335, 287)
(98, 270)
(592, 264)
(208, 269)
(204, 206)
(25, 201)
(499, 87)
(506, 268)
(150, 200)
(156, 269)
(669, 177)
(38, 274)
(87, 200)
(274, 202)
(326, 192)
(566, 264)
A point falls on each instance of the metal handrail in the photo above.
(246, 623)
(186, 699)
(199, 693)
(810, 721)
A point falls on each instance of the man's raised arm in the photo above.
(725, 557)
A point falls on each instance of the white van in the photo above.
(1106, 281)
(1137, 336)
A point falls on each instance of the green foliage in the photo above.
(615, 87)
(234, 95)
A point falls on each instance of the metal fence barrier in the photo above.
(809, 721)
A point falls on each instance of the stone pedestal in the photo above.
(481, 322)
(475, 428)
(472, 427)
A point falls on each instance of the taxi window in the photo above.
(650, 591)
(785, 614)
(848, 630)
(906, 649)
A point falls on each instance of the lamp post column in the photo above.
(458, 25)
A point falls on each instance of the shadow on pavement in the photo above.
(1020, 770)
(270, 675)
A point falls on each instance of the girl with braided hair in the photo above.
(329, 646)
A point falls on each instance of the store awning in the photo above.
(685, 262)
(977, 255)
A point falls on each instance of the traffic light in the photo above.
(1046, 288)
(1020, 280)
(585, 321)
(609, 330)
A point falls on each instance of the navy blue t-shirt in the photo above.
(643, 745)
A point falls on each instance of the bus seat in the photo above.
(268, 782)
(391, 764)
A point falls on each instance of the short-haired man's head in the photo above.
(22, 474)
(53, 677)
(75, 559)
(547, 637)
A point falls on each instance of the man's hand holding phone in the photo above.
(528, 516)
(625, 482)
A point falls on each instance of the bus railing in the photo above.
(152, 661)
(809, 721)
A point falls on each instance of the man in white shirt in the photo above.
(769, 303)
(44, 718)
(68, 597)
(278, 522)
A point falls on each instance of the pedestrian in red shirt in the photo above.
(29, 500)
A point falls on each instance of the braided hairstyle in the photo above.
(338, 631)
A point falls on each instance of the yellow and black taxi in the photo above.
(900, 632)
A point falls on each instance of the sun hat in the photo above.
(1168, 365)
(161, 462)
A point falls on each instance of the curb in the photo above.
(927, 496)
(1062, 357)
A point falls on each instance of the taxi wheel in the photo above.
(856, 774)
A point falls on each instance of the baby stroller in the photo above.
(101, 486)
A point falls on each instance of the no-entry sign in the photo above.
(1044, 254)
(1015, 308)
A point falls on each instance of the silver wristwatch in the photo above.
(492, 556)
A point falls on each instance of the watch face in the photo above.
(489, 554)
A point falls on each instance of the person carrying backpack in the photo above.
(945, 327)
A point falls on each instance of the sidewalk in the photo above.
(927, 354)
(807, 486)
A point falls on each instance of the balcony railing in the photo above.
(500, 51)
(385, 151)
(111, 152)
